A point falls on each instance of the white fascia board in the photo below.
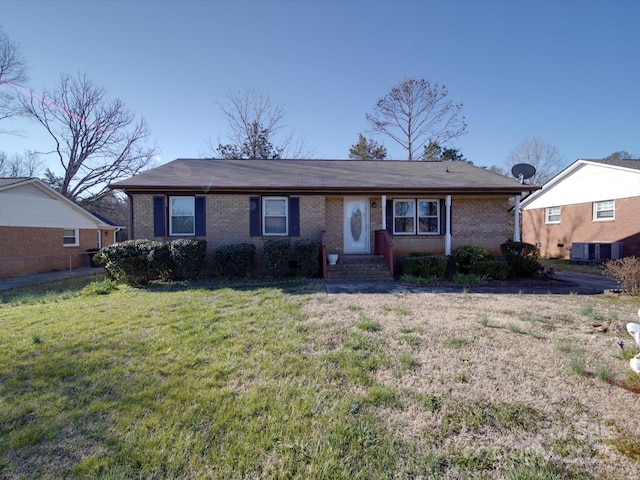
(61, 198)
(586, 182)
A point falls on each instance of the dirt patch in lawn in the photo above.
(498, 376)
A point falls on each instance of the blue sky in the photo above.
(564, 71)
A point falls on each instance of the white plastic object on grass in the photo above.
(634, 363)
(634, 331)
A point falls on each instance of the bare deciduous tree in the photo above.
(542, 155)
(415, 113)
(13, 75)
(26, 165)
(257, 129)
(97, 140)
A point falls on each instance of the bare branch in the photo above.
(13, 75)
(542, 155)
(97, 141)
(416, 113)
(257, 129)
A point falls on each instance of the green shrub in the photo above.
(625, 271)
(161, 264)
(425, 266)
(188, 257)
(493, 269)
(127, 261)
(276, 253)
(234, 260)
(307, 254)
(465, 256)
(137, 262)
(522, 259)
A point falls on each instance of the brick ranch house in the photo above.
(42, 230)
(586, 212)
(389, 208)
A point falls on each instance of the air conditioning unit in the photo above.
(579, 252)
(595, 251)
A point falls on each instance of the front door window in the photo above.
(356, 225)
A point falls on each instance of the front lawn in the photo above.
(284, 381)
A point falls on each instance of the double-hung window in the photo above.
(275, 211)
(552, 215)
(70, 237)
(604, 210)
(182, 213)
(428, 217)
(404, 217)
(421, 216)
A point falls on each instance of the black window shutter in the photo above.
(254, 216)
(201, 221)
(389, 215)
(159, 223)
(294, 216)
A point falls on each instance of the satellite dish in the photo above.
(523, 171)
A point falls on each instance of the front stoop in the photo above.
(358, 268)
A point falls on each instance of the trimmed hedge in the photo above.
(276, 254)
(161, 265)
(425, 266)
(234, 260)
(188, 257)
(522, 259)
(137, 262)
(494, 269)
(127, 261)
(307, 254)
(466, 256)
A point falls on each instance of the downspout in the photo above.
(447, 226)
(516, 219)
(131, 219)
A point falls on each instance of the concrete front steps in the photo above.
(358, 268)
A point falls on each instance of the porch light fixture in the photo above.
(374, 205)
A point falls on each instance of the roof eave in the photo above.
(326, 190)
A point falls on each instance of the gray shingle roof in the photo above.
(634, 164)
(320, 176)
(4, 181)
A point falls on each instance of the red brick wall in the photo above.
(577, 225)
(26, 250)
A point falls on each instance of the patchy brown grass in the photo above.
(483, 378)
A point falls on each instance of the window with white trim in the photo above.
(604, 210)
(275, 211)
(428, 217)
(552, 215)
(70, 237)
(182, 216)
(404, 221)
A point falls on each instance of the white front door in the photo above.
(356, 225)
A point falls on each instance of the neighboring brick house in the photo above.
(422, 206)
(592, 203)
(41, 230)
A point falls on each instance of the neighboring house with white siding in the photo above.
(42, 230)
(594, 204)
